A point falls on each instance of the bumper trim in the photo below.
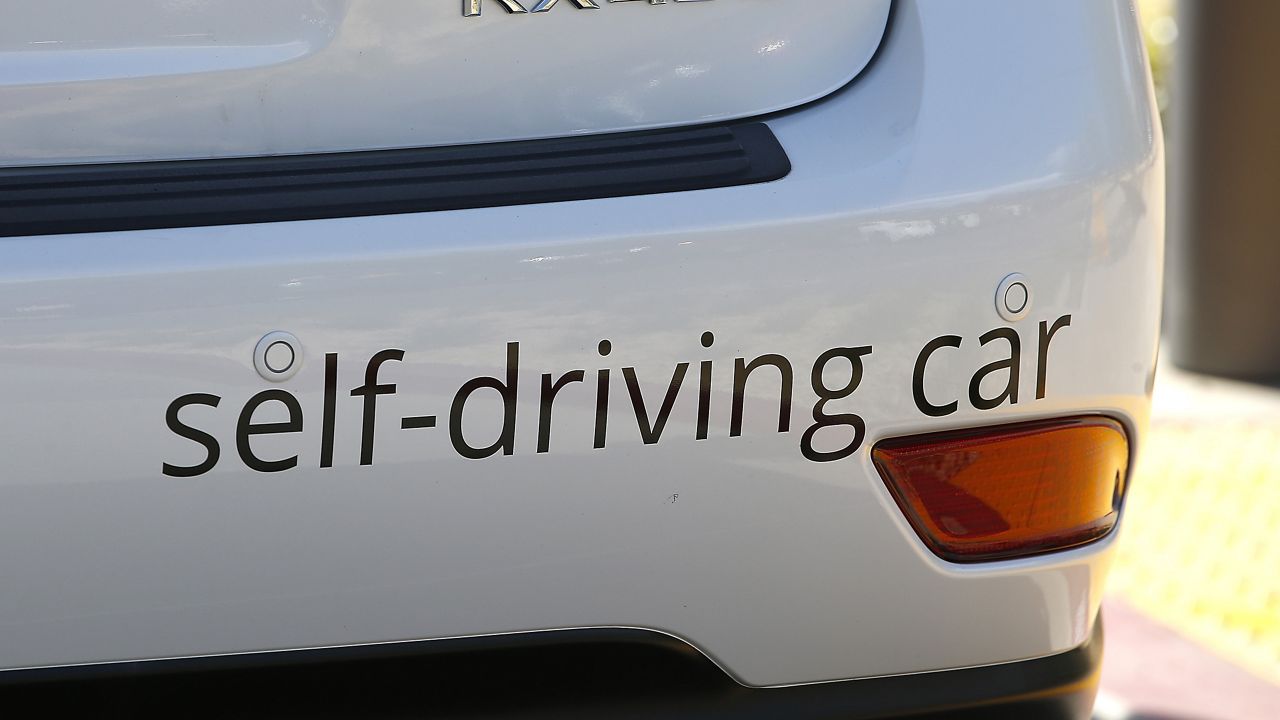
(186, 193)
(587, 673)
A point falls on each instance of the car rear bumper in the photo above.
(912, 194)
(565, 674)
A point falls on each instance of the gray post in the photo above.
(1223, 282)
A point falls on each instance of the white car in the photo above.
(735, 358)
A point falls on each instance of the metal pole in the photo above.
(1223, 282)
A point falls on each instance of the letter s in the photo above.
(208, 441)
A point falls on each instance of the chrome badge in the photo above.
(472, 8)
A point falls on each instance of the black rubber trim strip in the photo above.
(186, 193)
(611, 673)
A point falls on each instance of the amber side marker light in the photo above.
(1009, 491)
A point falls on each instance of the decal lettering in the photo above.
(741, 371)
(247, 428)
(1007, 369)
(181, 429)
(704, 389)
(821, 419)
(549, 390)
(1042, 359)
(651, 432)
(917, 377)
(602, 396)
(474, 8)
(370, 392)
(506, 441)
(330, 409)
(1009, 365)
(836, 431)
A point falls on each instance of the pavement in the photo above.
(1193, 611)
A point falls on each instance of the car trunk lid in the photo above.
(155, 79)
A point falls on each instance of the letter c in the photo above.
(917, 377)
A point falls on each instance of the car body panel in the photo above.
(152, 79)
(913, 193)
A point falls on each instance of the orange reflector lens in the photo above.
(1009, 491)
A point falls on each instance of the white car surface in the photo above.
(392, 466)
